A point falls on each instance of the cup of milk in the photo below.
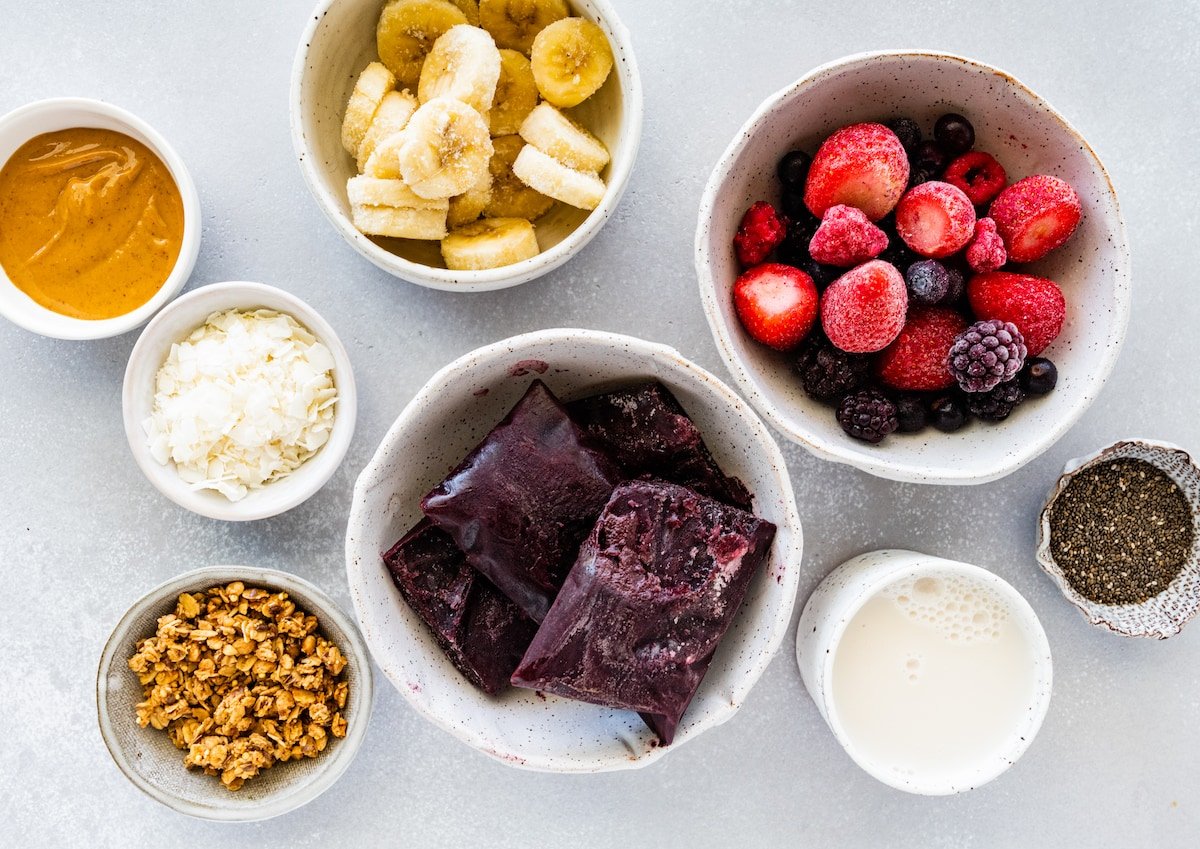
(934, 675)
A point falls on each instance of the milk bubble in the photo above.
(962, 609)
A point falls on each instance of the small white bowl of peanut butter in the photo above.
(99, 219)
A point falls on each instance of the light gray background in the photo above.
(82, 533)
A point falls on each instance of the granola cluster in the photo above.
(240, 679)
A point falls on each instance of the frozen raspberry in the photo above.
(996, 404)
(917, 360)
(826, 372)
(986, 354)
(986, 251)
(863, 310)
(935, 219)
(760, 232)
(978, 174)
(1034, 304)
(1036, 215)
(846, 237)
(777, 304)
(862, 165)
(867, 415)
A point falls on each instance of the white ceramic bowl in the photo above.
(1028, 136)
(64, 113)
(1160, 616)
(447, 418)
(137, 400)
(338, 43)
(832, 606)
(149, 760)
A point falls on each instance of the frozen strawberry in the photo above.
(862, 165)
(846, 237)
(986, 251)
(1034, 304)
(916, 360)
(863, 310)
(761, 231)
(978, 174)
(935, 219)
(776, 303)
(1036, 215)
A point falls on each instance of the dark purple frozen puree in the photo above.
(480, 630)
(647, 433)
(521, 503)
(655, 588)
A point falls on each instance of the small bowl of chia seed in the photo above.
(1120, 536)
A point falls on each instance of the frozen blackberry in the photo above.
(987, 354)
(928, 282)
(1039, 377)
(822, 275)
(826, 372)
(948, 413)
(800, 229)
(867, 415)
(958, 285)
(908, 131)
(996, 404)
(792, 203)
(911, 413)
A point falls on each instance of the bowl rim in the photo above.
(36, 318)
(335, 764)
(1094, 612)
(883, 567)
(838, 450)
(491, 279)
(373, 476)
(328, 458)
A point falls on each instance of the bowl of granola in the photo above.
(234, 693)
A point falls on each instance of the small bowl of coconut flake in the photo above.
(239, 401)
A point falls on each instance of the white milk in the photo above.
(933, 677)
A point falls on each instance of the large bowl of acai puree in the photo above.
(99, 219)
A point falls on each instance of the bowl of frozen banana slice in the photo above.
(466, 145)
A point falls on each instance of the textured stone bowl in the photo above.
(1028, 136)
(152, 763)
(338, 43)
(1165, 614)
(448, 417)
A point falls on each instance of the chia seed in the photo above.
(1121, 531)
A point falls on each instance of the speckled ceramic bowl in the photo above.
(149, 760)
(338, 43)
(1165, 614)
(834, 604)
(1028, 136)
(447, 418)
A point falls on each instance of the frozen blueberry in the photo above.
(947, 413)
(911, 413)
(954, 133)
(928, 282)
(1039, 376)
(793, 169)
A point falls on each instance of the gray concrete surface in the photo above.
(82, 533)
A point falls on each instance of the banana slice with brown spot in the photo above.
(444, 149)
(406, 32)
(516, 94)
(571, 59)
(489, 243)
(464, 64)
(515, 23)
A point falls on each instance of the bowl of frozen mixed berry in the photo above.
(913, 264)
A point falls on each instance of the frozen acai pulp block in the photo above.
(647, 433)
(480, 630)
(521, 503)
(654, 589)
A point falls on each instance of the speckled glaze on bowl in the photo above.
(836, 601)
(448, 417)
(1028, 136)
(152, 764)
(1165, 614)
(338, 43)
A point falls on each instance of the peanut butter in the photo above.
(91, 222)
